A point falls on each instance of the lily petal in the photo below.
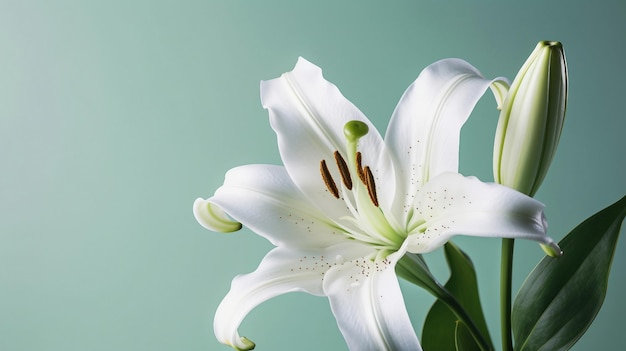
(308, 115)
(424, 131)
(264, 199)
(451, 204)
(367, 302)
(282, 270)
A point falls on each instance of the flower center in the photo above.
(367, 222)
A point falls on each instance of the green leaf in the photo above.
(440, 327)
(463, 339)
(561, 296)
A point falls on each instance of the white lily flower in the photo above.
(347, 205)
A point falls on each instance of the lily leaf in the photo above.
(442, 328)
(464, 341)
(561, 297)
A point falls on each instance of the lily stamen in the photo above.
(371, 186)
(328, 179)
(359, 168)
(343, 169)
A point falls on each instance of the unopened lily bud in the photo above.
(531, 120)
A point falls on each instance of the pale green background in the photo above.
(116, 115)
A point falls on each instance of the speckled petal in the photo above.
(424, 131)
(451, 204)
(264, 199)
(281, 271)
(369, 307)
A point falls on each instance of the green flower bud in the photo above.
(531, 120)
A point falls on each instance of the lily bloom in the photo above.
(348, 204)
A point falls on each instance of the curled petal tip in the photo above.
(212, 217)
(552, 249)
(245, 345)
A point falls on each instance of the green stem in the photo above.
(506, 272)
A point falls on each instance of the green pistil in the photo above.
(379, 228)
(354, 130)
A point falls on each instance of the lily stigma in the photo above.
(348, 204)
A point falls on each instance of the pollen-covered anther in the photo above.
(343, 169)
(328, 179)
(371, 186)
(359, 168)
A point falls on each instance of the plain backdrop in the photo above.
(116, 115)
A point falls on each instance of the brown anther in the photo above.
(359, 168)
(371, 186)
(328, 179)
(343, 169)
